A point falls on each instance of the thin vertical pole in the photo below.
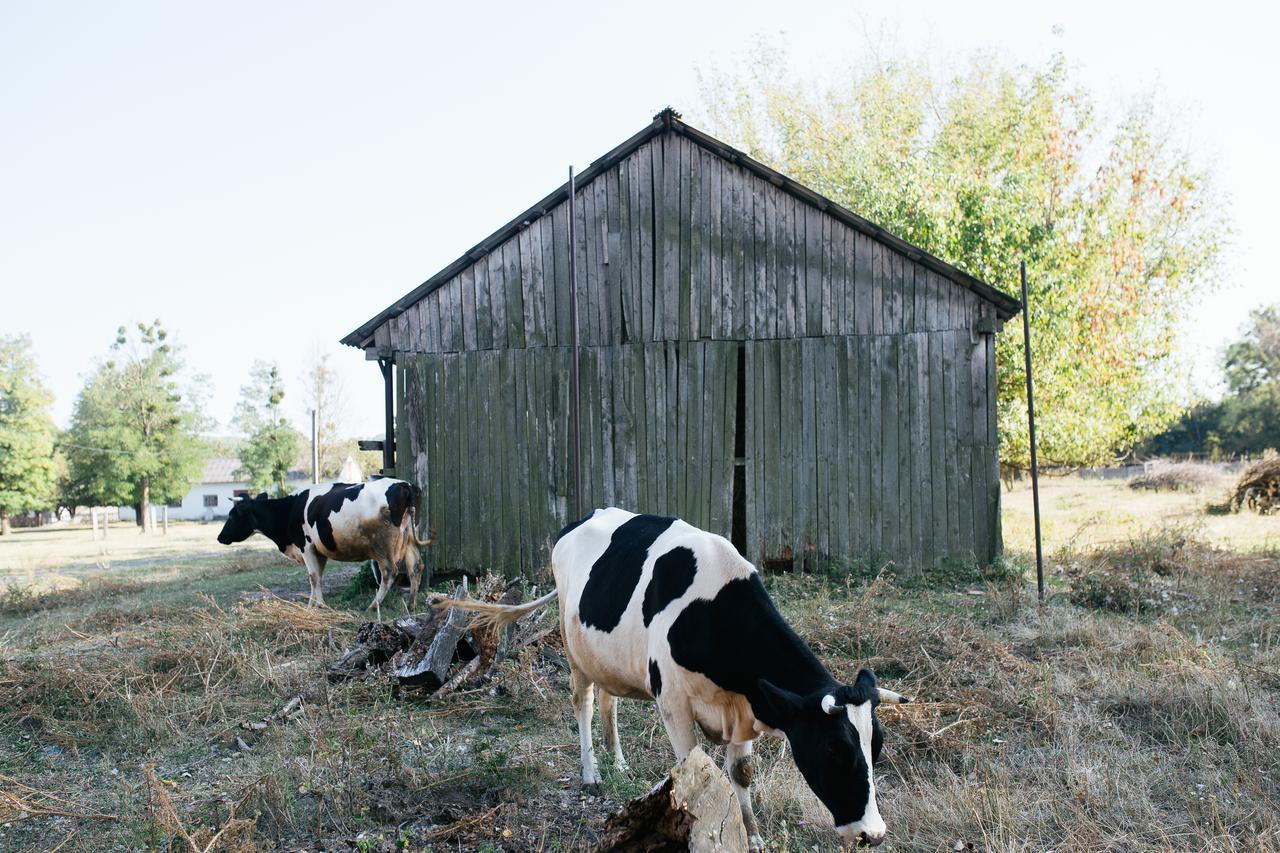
(387, 365)
(315, 450)
(1031, 422)
(574, 387)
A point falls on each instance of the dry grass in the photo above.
(1079, 726)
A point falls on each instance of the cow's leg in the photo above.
(677, 718)
(315, 562)
(583, 709)
(387, 567)
(739, 768)
(609, 725)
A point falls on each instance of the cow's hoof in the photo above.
(755, 844)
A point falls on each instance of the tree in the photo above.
(271, 444)
(28, 468)
(1119, 228)
(324, 392)
(1247, 418)
(1250, 412)
(134, 436)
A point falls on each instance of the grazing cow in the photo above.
(654, 608)
(338, 521)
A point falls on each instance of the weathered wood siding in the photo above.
(869, 413)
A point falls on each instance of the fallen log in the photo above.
(693, 808)
(377, 643)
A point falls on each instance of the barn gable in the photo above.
(680, 237)
(753, 357)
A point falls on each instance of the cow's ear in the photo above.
(779, 706)
(862, 689)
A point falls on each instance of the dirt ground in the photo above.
(1137, 710)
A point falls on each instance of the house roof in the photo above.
(222, 469)
(668, 121)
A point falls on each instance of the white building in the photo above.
(212, 497)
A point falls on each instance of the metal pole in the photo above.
(574, 388)
(315, 450)
(1031, 422)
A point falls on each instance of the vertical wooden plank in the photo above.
(951, 444)
(497, 297)
(673, 461)
(829, 319)
(922, 500)
(845, 449)
(614, 257)
(773, 284)
(741, 223)
(713, 170)
(467, 281)
(590, 286)
(909, 496)
(531, 285)
(863, 286)
(547, 242)
(813, 270)
(824, 444)
(708, 477)
(560, 251)
(688, 207)
(756, 325)
(666, 311)
(605, 301)
(648, 233)
(751, 438)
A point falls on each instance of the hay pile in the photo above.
(1259, 487)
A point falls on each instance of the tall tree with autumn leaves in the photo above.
(1120, 228)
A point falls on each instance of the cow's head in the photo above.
(242, 521)
(836, 738)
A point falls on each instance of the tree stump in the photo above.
(693, 808)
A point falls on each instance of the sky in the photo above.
(264, 177)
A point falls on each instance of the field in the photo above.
(1136, 710)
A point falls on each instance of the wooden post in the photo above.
(1031, 423)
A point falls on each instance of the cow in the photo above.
(654, 608)
(339, 521)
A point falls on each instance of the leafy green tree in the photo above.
(135, 436)
(1247, 419)
(28, 468)
(271, 444)
(1250, 421)
(1120, 229)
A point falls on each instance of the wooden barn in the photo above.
(753, 358)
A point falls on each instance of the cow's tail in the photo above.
(415, 499)
(493, 614)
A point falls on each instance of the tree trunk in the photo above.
(5, 530)
(144, 506)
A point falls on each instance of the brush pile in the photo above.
(1259, 487)
(1174, 477)
(438, 651)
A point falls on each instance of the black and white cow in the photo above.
(338, 521)
(654, 608)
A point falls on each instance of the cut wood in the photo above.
(426, 662)
(693, 808)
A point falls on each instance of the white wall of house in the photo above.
(205, 502)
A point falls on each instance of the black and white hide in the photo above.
(654, 608)
(339, 521)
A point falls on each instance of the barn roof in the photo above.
(668, 121)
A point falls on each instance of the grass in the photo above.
(1140, 718)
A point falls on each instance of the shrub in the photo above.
(1173, 477)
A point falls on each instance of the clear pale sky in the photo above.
(264, 177)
